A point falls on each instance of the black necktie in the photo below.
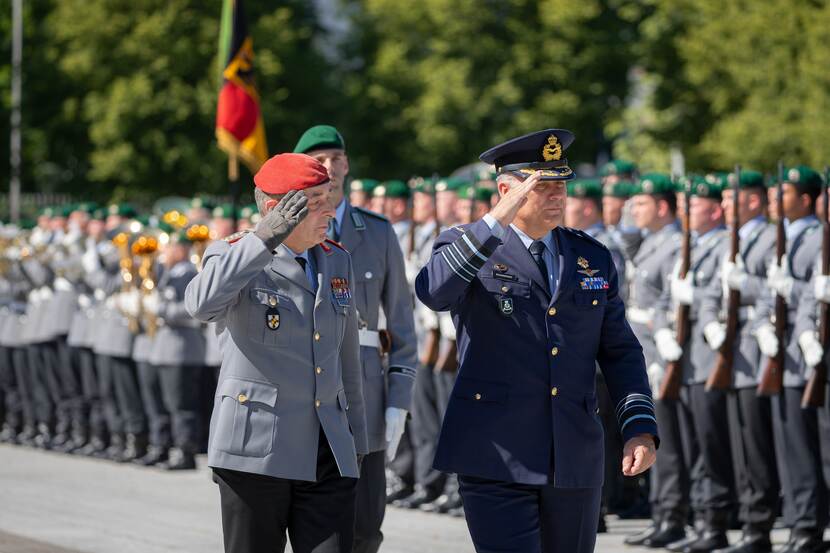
(332, 231)
(537, 250)
(301, 261)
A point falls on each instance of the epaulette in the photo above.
(333, 243)
(236, 236)
(584, 235)
(371, 213)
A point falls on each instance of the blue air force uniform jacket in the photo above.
(524, 407)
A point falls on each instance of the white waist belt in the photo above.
(369, 338)
(639, 316)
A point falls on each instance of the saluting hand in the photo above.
(277, 224)
(507, 208)
(639, 453)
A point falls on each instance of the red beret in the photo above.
(285, 172)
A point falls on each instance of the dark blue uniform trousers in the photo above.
(506, 517)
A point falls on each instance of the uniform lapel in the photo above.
(350, 237)
(567, 262)
(285, 265)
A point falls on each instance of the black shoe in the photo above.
(749, 543)
(640, 537)
(60, 440)
(135, 448)
(155, 454)
(803, 543)
(116, 448)
(417, 499)
(178, 460)
(397, 494)
(27, 436)
(95, 447)
(43, 439)
(442, 503)
(669, 532)
(681, 545)
(708, 542)
(8, 435)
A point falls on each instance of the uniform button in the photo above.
(242, 398)
(368, 275)
(554, 351)
(554, 391)
(272, 300)
(504, 288)
(478, 397)
(594, 302)
(317, 403)
(318, 370)
(552, 311)
(316, 336)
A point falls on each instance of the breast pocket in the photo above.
(247, 419)
(590, 299)
(271, 317)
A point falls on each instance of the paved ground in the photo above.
(52, 503)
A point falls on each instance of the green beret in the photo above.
(27, 224)
(363, 185)
(247, 211)
(480, 193)
(584, 188)
(803, 176)
(391, 189)
(224, 211)
(319, 137)
(99, 214)
(451, 184)
(617, 167)
(654, 184)
(620, 189)
(65, 210)
(46, 212)
(144, 220)
(123, 210)
(709, 186)
(749, 179)
(201, 203)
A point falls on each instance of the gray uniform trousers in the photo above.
(149, 382)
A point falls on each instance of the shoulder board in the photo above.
(328, 241)
(236, 236)
(585, 236)
(365, 211)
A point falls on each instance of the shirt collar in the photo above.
(547, 239)
(749, 227)
(303, 254)
(794, 228)
(340, 212)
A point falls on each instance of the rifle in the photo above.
(814, 391)
(772, 377)
(410, 238)
(670, 387)
(432, 342)
(721, 376)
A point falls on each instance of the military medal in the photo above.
(506, 305)
(585, 270)
(272, 318)
(340, 292)
(593, 283)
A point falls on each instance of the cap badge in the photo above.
(552, 150)
(793, 176)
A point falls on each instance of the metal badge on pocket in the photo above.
(272, 318)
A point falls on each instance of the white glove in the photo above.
(715, 334)
(734, 275)
(682, 289)
(62, 285)
(821, 288)
(151, 303)
(129, 303)
(395, 423)
(84, 302)
(767, 340)
(656, 373)
(90, 260)
(34, 296)
(99, 295)
(667, 346)
(46, 293)
(811, 348)
(779, 279)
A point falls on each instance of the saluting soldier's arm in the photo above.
(621, 360)
(457, 256)
(226, 269)
(400, 321)
(353, 378)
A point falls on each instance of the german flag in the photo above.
(239, 128)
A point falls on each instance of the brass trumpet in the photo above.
(146, 248)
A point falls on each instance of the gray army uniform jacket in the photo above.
(180, 339)
(756, 249)
(698, 358)
(290, 358)
(648, 276)
(803, 249)
(112, 334)
(380, 283)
